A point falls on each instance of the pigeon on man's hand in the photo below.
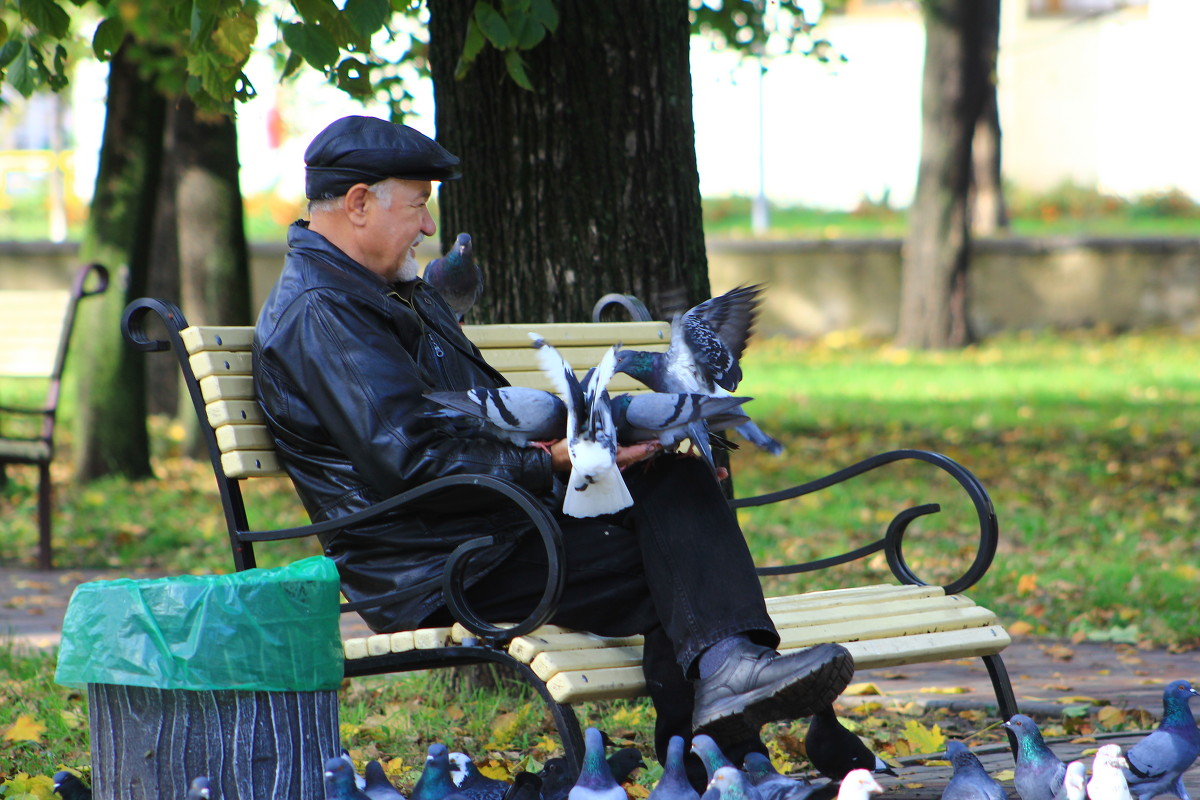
(674, 783)
(595, 486)
(859, 784)
(1039, 773)
(69, 787)
(472, 783)
(1157, 762)
(516, 414)
(773, 785)
(670, 418)
(595, 780)
(457, 277)
(339, 780)
(707, 343)
(970, 781)
(1074, 782)
(730, 783)
(1108, 775)
(435, 783)
(378, 787)
(834, 750)
(200, 788)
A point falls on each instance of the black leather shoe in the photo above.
(756, 685)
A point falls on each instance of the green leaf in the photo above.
(312, 43)
(516, 69)
(493, 25)
(47, 17)
(109, 35)
(10, 50)
(322, 11)
(544, 12)
(235, 36)
(293, 63)
(471, 48)
(26, 72)
(354, 78)
(367, 16)
(3, 32)
(526, 31)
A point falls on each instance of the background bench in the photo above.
(882, 625)
(35, 333)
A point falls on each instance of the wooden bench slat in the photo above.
(217, 337)
(922, 648)
(244, 437)
(536, 380)
(858, 630)
(252, 464)
(235, 412)
(602, 684)
(831, 598)
(227, 387)
(882, 609)
(548, 664)
(518, 359)
(526, 648)
(222, 362)
(565, 334)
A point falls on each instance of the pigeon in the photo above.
(378, 787)
(672, 417)
(1039, 773)
(1157, 762)
(970, 780)
(339, 780)
(770, 783)
(516, 414)
(730, 783)
(595, 780)
(359, 780)
(435, 783)
(674, 783)
(457, 276)
(595, 486)
(623, 763)
(710, 754)
(69, 787)
(1108, 776)
(525, 786)
(1074, 782)
(706, 344)
(859, 784)
(834, 750)
(556, 779)
(200, 789)
(472, 783)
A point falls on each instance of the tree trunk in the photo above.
(214, 262)
(586, 185)
(111, 409)
(989, 212)
(933, 298)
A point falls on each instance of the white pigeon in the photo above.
(1108, 781)
(859, 784)
(595, 486)
(1074, 782)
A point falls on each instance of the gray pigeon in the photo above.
(200, 788)
(710, 754)
(674, 783)
(707, 343)
(1039, 773)
(970, 780)
(671, 418)
(595, 485)
(457, 277)
(515, 414)
(1157, 762)
(339, 780)
(472, 783)
(834, 750)
(69, 787)
(378, 787)
(1074, 782)
(435, 783)
(1108, 775)
(770, 783)
(730, 783)
(595, 780)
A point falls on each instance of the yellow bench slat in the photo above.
(832, 598)
(922, 648)
(252, 464)
(235, 412)
(600, 684)
(860, 629)
(217, 337)
(546, 665)
(526, 648)
(227, 387)
(631, 334)
(536, 380)
(883, 609)
(244, 437)
(221, 362)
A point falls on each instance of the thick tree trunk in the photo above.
(933, 307)
(989, 211)
(587, 185)
(111, 410)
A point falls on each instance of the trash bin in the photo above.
(230, 676)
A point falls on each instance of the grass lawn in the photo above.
(1086, 442)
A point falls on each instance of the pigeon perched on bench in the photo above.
(595, 780)
(707, 343)
(378, 787)
(970, 780)
(674, 783)
(1108, 775)
(1157, 762)
(834, 750)
(595, 485)
(1039, 773)
(457, 276)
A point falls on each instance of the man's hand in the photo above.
(640, 451)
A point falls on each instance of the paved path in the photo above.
(1047, 675)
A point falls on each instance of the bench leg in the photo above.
(1005, 698)
(564, 719)
(45, 498)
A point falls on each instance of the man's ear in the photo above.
(354, 203)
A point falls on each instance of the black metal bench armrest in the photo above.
(893, 540)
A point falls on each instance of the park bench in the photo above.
(882, 625)
(35, 328)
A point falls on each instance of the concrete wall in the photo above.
(817, 287)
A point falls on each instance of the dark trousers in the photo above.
(673, 567)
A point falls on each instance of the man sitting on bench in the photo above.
(346, 347)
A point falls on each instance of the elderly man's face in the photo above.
(399, 220)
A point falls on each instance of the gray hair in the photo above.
(382, 190)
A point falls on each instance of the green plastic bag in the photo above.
(257, 630)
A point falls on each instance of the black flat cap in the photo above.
(368, 150)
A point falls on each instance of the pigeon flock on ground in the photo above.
(1153, 766)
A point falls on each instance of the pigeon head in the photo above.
(339, 772)
(1109, 756)
(1175, 703)
(710, 753)
(859, 783)
(960, 755)
(637, 364)
(1029, 737)
(730, 783)
(68, 785)
(757, 766)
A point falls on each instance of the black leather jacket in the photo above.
(342, 360)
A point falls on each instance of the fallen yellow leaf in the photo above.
(1005, 775)
(944, 690)
(25, 729)
(861, 689)
(495, 771)
(1110, 715)
(1020, 628)
(1079, 699)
